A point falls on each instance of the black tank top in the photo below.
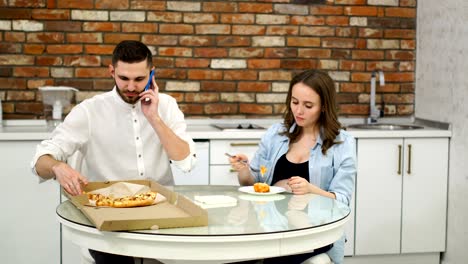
(285, 169)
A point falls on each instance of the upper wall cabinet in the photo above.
(401, 195)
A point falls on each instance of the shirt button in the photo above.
(139, 155)
(137, 138)
(135, 120)
(141, 174)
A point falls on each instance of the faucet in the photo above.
(374, 113)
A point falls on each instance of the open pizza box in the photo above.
(176, 211)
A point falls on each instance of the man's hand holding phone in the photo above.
(149, 97)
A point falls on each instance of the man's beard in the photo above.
(132, 100)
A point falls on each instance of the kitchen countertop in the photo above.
(202, 129)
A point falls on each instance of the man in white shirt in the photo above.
(127, 133)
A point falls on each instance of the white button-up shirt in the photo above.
(116, 142)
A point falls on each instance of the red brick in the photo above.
(101, 26)
(92, 72)
(221, 86)
(232, 41)
(253, 87)
(353, 109)
(205, 74)
(160, 40)
(12, 83)
(84, 38)
(192, 63)
(51, 4)
(352, 65)
(360, 11)
(263, 63)
(255, 8)
(361, 43)
(405, 110)
(346, 98)
(367, 54)
(64, 49)
(16, 59)
(48, 14)
(280, 53)
(79, 4)
(31, 72)
(103, 84)
(15, 13)
(45, 37)
(370, 32)
(116, 38)
(176, 52)
(148, 5)
(407, 2)
(298, 64)
(191, 109)
(62, 26)
(338, 43)
(27, 3)
(360, 76)
(99, 49)
(163, 62)
(248, 30)
(166, 17)
(303, 42)
(275, 76)
(407, 88)
(111, 4)
(350, 2)
(399, 55)
(10, 48)
(382, 65)
(352, 87)
(400, 33)
(255, 109)
(408, 44)
(237, 18)
(326, 10)
(175, 29)
(80, 84)
(48, 60)
(210, 52)
(248, 75)
(34, 108)
(307, 20)
(177, 74)
(15, 36)
(219, 29)
(245, 52)
(20, 95)
(195, 41)
(314, 53)
(83, 60)
(400, 12)
(337, 20)
(35, 83)
(283, 30)
(346, 32)
(399, 77)
(140, 27)
(340, 54)
(219, 7)
(220, 108)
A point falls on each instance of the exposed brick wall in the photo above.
(217, 58)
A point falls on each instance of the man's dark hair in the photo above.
(131, 51)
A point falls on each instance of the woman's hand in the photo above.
(284, 184)
(239, 162)
(299, 185)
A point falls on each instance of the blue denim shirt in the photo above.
(334, 172)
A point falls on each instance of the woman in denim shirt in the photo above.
(308, 152)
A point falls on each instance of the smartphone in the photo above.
(148, 85)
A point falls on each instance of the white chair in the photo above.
(322, 258)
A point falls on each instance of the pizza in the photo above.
(142, 199)
(261, 187)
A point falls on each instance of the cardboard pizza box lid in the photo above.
(176, 211)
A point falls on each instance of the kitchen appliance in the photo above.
(55, 98)
(246, 126)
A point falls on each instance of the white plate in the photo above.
(250, 190)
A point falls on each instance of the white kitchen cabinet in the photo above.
(220, 169)
(30, 230)
(401, 195)
(200, 174)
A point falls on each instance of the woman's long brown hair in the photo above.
(324, 86)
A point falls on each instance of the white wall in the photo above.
(441, 90)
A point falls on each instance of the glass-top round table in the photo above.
(256, 226)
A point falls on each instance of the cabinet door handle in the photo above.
(399, 160)
(409, 158)
(243, 144)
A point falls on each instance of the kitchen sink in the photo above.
(382, 126)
